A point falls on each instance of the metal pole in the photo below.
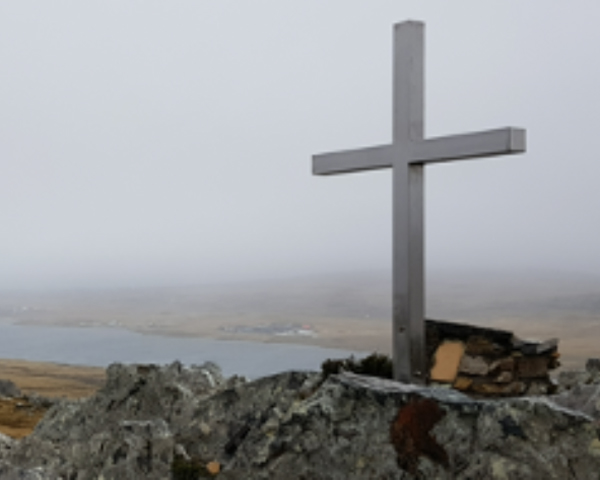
(408, 257)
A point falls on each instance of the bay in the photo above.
(98, 346)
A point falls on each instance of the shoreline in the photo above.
(361, 336)
(330, 334)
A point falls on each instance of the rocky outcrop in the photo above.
(6, 443)
(580, 390)
(180, 422)
(9, 389)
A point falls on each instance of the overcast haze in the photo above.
(156, 143)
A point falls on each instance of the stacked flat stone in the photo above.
(489, 362)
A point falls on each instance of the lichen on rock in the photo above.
(153, 421)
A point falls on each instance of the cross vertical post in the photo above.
(407, 209)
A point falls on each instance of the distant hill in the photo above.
(533, 304)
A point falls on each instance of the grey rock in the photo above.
(123, 431)
(539, 348)
(38, 401)
(473, 366)
(10, 472)
(9, 389)
(568, 379)
(505, 364)
(592, 366)
(582, 398)
(538, 388)
(296, 425)
(6, 443)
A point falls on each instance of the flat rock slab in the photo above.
(446, 361)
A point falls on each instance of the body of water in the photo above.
(102, 346)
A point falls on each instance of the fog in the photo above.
(157, 143)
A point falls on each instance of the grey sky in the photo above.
(170, 142)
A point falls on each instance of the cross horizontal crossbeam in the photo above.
(490, 143)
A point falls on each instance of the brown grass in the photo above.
(52, 380)
(18, 417)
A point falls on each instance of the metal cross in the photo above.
(407, 155)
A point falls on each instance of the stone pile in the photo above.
(489, 362)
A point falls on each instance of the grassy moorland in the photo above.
(18, 417)
(52, 380)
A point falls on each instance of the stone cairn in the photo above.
(485, 362)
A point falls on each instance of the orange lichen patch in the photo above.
(410, 434)
(446, 361)
(213, 468)
(18, 418)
